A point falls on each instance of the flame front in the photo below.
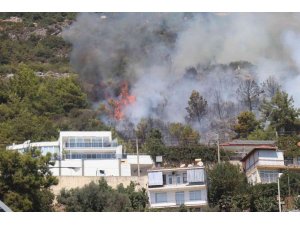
(123, 100)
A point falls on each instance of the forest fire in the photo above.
(123, 100)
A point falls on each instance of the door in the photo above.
(179, 197)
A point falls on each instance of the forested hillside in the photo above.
(34, 39)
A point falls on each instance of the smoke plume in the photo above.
(164, 56)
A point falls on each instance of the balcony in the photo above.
(101, 156)
(188, 203)
(289, 162)
(91, 145)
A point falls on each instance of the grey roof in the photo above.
(250, 142)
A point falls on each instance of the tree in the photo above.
(270, 86)
(183, 135)
(289, 144)
(260, 134)
(197, 107)
(280, 112)
(246, 124)
(263, 197)
(225, 179)
(154, 144)
(290, 182)
(103, 198)
(248, 93)
(25, 181)
(138, 199)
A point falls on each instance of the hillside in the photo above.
(34, 39)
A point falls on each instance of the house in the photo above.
(172, 187)
(237, 149)
(89, 153)
(264, 163)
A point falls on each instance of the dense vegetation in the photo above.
(235, 194)
(35, 108)
(101, 197)
(25, 181)
(35, 41)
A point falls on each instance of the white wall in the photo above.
(171, 197)
(110, 166)
(125, 169)
(143, 159)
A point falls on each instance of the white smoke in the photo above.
(156, 68)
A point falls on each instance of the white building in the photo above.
(239, 148)
(176, 186)
(263, 164)
(89, 153)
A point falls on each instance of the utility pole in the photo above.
(279, 201)
(218, 143)
(138, 157)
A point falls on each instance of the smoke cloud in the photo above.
(164, 56)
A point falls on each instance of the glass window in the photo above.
(179, 197)
(195, 195)
(71, 142)
(93, 156)
(164, 179)
(160, 197)
(178, 179)
(96, 142)
(106, 142)
(170, 179)
(89, 156)
(268, 176)
(184, 178)
(87, 142)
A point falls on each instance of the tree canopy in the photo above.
(197, 107)
(101, 197)
(25, 181)
(281, 112)
(246, 124)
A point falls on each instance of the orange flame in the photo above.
(123, 100)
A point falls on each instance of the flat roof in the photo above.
(175, 168)
(261, 147)
(85, 133)
(248, 142)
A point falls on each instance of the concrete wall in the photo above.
(69, 182)
(73, 167)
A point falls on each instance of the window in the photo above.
(160, 197)
(268, 176)
(178, 179)
(195, 175)
(106, 142)
(155, 178)
(164, 179)
(184, 178)
(179, 197)
(195, 195)
(170, 179)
